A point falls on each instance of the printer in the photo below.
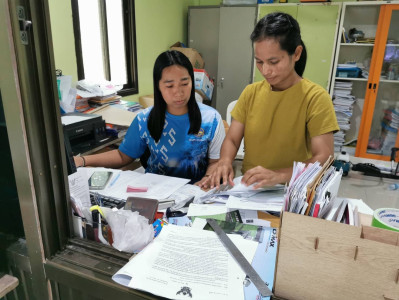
(84, 132)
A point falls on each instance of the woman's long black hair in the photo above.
(156, 120)
(285, 29)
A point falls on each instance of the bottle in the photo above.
(391, 74)
(393, 186)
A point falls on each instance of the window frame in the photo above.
(129, 23)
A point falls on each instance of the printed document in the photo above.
(158, 187)
(188, 263)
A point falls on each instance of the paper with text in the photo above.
(188, 263)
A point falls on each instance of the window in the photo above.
(105, 42)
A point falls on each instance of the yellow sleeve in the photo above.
(239, 112)
(321, 118)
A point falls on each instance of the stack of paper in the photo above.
(343, 101)
(313, 191)
(240, 196)
(152, 186)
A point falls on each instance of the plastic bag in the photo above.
(130, 231)
(66, 93)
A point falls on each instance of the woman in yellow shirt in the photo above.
(284, 118)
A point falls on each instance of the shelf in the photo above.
(358, 44)
(352, 79)
(389, 81)
(366, 45)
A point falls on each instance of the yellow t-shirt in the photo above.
(280, 124)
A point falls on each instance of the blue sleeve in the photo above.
(133, 144)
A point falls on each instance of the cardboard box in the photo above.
(203, 84)
(146, 101)
(319, 259)
(192, 54)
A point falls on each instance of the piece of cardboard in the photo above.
(146, 101)
(203, 84)
(193, 56)
(319, 259)
(114, 115)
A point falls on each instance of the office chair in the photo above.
(240, 152)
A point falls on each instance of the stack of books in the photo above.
(117, 131)
(127, 105)
(343, 101)
(100, 100)
(82, 104)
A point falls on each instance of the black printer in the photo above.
(84, 132)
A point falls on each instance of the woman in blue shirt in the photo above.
(183, 137)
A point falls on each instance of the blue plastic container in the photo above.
(348, 72)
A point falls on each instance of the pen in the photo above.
(115, 179)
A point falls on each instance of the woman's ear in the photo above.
(298, 52)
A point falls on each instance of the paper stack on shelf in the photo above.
(100, 100)
(81, 104)
(343, 101)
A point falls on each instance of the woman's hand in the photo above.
(203, 183)
(79, 161)
(224, 171)
(263, 177)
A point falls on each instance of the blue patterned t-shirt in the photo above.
(177, 153)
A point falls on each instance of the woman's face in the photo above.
(275, 64)
(175, 86)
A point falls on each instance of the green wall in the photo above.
(159, 24)
(63, 37)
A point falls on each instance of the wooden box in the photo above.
(321, 259)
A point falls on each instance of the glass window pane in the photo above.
(116, 41)
(90, 32)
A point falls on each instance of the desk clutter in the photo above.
(180, 256)
(93, 113)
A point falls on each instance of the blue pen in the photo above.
(115, 179)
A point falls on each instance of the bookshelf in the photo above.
(373, 47)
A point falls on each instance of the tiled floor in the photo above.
(373, 191)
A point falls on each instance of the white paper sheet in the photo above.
(160, 187)
(79, 187)
(187, 263)
(270, 201)
(195, 210)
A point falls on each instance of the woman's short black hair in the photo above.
(285, 29)
(156, 120)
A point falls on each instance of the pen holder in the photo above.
(96, 231)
